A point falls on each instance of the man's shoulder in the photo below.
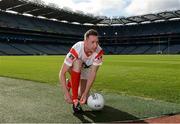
(79, 43)
(77, 47)
(99, 49)
(99, 52)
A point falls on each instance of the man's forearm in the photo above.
(62, 79)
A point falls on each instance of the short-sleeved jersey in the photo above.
(77, 52)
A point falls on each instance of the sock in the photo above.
(75, 78)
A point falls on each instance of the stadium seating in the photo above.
(10, 50)
(172, 49)
(23, 35)
(26, 48)
(128, 49)
(155, 49)
(141, 49)
(44, 25)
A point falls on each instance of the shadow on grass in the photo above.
(108, 114)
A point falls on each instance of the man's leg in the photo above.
(75, 78)
(82, 87)
(84, 78)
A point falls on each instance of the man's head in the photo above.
(91, 40)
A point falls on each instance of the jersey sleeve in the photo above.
(72, 55)
(99, 58)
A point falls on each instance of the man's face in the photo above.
(92, 43)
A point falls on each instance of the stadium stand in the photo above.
(156, 49)
(173, 49)
(30, 35)
(141, 49)
(128, 49)
(9, 50)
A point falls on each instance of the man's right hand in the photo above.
(83, 98)
(68, 98)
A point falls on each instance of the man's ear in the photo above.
(85, 41)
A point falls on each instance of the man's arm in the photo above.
(62, 78)
(90, 81)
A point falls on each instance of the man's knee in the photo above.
(77, 65)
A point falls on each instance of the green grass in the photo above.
(148, 76)
(29, 102)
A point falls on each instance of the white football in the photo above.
(95, 101)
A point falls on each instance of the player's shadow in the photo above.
(108, 114)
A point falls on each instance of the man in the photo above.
(82, 63)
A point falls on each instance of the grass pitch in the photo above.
(134, 87)
(32, 102)
(148, 76)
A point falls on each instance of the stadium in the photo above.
(139, 77)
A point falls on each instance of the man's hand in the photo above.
(68, 98)
(83, 98)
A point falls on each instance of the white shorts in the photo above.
(85, 73)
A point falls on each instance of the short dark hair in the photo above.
(90, 32)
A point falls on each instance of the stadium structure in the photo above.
(29, 28)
